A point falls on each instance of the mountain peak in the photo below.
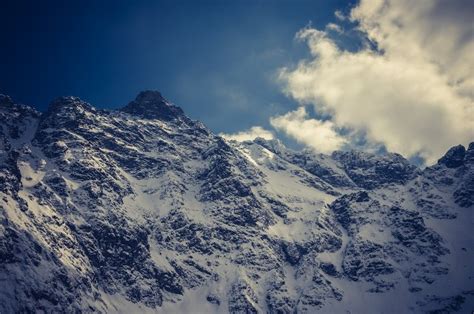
(149, 96)
(10, 108)
(152, 105)
(454, 157)
(68, 103)
(5, 100)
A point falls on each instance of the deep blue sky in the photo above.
(215, 59)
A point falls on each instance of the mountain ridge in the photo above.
(143, 209)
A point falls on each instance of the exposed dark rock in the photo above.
(151, 105)
(145, 207)
(454, 157)
(370, 171)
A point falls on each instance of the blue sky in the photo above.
(216, 59)
(380, 75)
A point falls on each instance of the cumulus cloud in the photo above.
(413, 93)
(249, 135)
(317, 134)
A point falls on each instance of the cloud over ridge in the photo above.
(318, 135)
(249, 135)
(413, 94)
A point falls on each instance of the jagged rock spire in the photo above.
(454, 157)
(152, 105)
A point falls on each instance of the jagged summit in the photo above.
(5, 100)
(469, 157)
(7, 104)
(454, 157)
(68, 103)
(14, 114)
(152, 105)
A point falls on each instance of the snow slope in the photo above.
(143, 210)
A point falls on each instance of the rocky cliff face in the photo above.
(145, 210)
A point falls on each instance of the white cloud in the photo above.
(334, 27)
(317, 134)
(414, 95)
(339, 15)
(249, 135)
(438, 31)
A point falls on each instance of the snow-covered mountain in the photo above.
(145, 210)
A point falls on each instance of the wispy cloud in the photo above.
(334, 27)
(339, 15)
(249, 135)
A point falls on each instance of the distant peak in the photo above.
(7, 104)
(68, 102)
(5, 100)
(152, 105)
(149, 96)
(273, 145)
(454, 157)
